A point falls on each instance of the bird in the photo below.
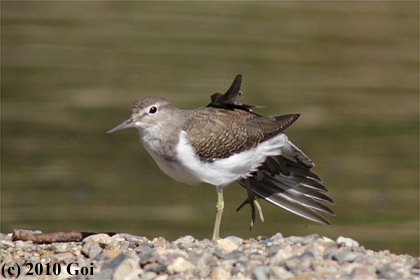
(226, 142)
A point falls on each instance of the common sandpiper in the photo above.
(227, 142)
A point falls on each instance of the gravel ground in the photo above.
(126, 256)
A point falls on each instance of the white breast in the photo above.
(152, 142)
(176, 170)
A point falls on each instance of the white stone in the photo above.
(347, 242)
(327, 239)
(117, 238)
(134, 274)
(226, 245)
(219, 273)
(279, 272)
(284, 253)
(161, 277)
(179, 265)
(127, 267)
(101, 238)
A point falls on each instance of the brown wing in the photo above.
(226, 127)
(219, 133)
(271, 126)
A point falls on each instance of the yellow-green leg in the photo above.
(219, 211)
(258, 206)
(252, 201)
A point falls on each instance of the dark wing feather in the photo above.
(288, 182)
(228, 100)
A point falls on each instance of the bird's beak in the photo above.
(126, 124)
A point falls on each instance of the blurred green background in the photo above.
(71, 70)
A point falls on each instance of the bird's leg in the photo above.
(259, 210)
(252, 201)
(219, 211)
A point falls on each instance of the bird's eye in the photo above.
(153, 110)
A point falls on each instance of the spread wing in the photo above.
(288, 182)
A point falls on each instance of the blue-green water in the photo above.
(70, 71)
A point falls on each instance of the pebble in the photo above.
(279, 272)
(91, 250)
(7, 244)
(134, 275)
(361, 272)
(179, 265)
(61, 257)
(345, 255)
(120, 266)
(159, 243)
(130, 263)
(235, 255)
(129, 257)
(184, 240)
(116, 243)
(102, 239)
(149, 275)
(162, 277)
(219, 273)
(235, 240)
(347, 242)
(260, 273)
(131, 237)
(59, 247)
(284, 253)
(2, 236)
(226, 245)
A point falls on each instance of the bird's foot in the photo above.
(252, 201)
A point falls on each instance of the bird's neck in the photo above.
(162, 139)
